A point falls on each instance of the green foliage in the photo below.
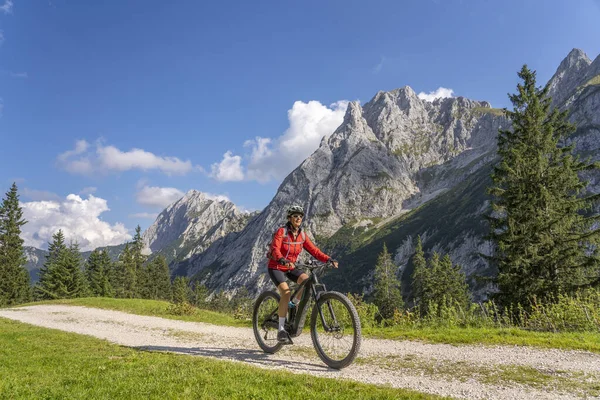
(438, 285)
(98, 269)
(158, 280)
(544, 245)
(367, 312)
(386, 296)
(14, 278)
(182, 293)
(593, 81)
(486, 110)
(182, 308)
(61, 276)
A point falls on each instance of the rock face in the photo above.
(368, 170)
(191, 224)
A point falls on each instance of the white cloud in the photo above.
(82, 160)
(114, 159)
(1, 36)
(216, 197)
(158, 196)
(309, 123)
(440, 92)
(229, 169)
(144, 215)
(6, 8)
(79, 220)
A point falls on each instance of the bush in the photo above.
(183, 308)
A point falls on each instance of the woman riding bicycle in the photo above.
(288, 242)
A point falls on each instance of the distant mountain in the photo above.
(36, 258)
(191, 224)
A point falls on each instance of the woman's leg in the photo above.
(284, 291)
(301, 279)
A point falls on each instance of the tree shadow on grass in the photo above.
(245, 355)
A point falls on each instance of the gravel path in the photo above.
(457, 371)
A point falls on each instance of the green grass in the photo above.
(485, 110)
(42, 363)
(589, 341)
(594, 81)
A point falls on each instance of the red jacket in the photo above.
(290, 248)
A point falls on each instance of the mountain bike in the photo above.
(334, 324)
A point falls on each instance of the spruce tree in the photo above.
(387, 294)
(541, 224)
(139, 260)
(105, 288)
(76, 282)
(421, 279)
(129, 273)
(159, 279)
(437, 283)
(53, 274)
(181, 290)
(97, 270)
(93, 272)
(14, 278)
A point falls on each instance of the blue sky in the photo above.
(112, 109)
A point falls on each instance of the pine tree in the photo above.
(545, 243)
(14, 278)
(76, 283)
(159, 279)
(53, 274)
(139, 260)
(181, 290)
(97, 270)
(200, 297)
(387, 294)
(437, 283)
(129, 274)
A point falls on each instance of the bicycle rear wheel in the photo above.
(335, 330)
(265, 321)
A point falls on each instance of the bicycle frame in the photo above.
(298, 316)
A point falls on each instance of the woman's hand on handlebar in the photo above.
(333, 262)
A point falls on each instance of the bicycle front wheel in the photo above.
(335, 330)
(265, 321)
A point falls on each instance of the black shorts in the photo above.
(278, 277)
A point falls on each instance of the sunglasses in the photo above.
(297, 216)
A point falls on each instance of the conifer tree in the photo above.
(541, 225)
(159, 279)
(420, 276)
(52, 283)
(387, 294)
(14, 278)
(76, 284)
(438, 283)
(139, 260)
(200, 295)
(181, 290)
(129, 273)
(98, 269)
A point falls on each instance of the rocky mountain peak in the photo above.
(570, 74)
(194, 218)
